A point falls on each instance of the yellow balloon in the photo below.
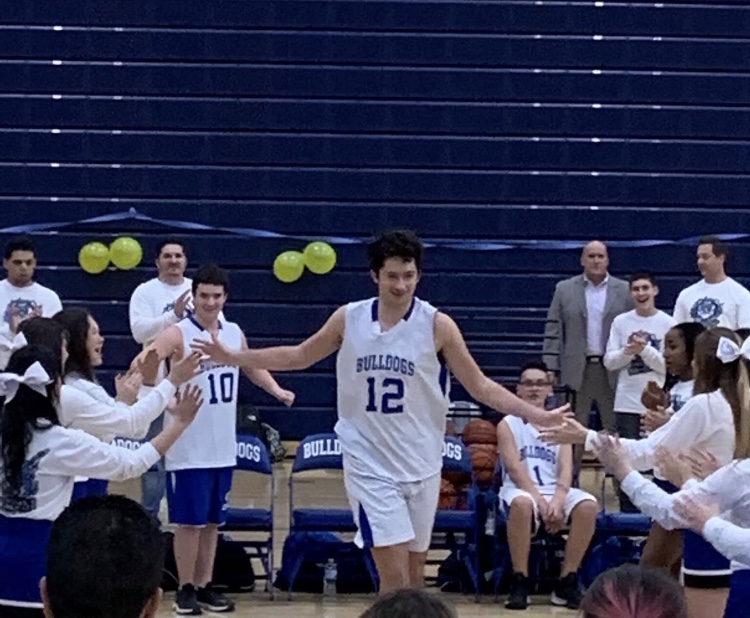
(288, 266)
(126, 253)
(320, 257)
(94, 258)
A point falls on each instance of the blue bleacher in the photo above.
(357, 47)
(290, 148)
(399, 117)
(465, 120)
(731, 18)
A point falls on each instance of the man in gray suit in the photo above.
(575, 337)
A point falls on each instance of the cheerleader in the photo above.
(707, 422)
(40, 460)
(84, 404)
(663, 548)
(697, 506)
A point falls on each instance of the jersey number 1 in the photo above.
(391, 398)
(226, 387)
(538, 476)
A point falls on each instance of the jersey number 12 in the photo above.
(391, 396)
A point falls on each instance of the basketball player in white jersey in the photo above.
(536, 489)
(199, 465)
(392, 403)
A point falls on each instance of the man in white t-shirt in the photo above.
(20, 296)
(154, 306)
(716, 300)
(634, 351)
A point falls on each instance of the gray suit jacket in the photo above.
(565, 331)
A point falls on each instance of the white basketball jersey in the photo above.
(392, 393)
(539, 458)
(211, 439)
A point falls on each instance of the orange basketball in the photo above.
(484, 476)
(462, 502)
(447, 495)
(483, 456)
(456, 477)
(478, 431)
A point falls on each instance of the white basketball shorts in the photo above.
(389, 512)
(572, 500)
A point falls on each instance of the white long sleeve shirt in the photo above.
(635, 372)
(705, 422)
(87, 406)
(152, 308)
(55, 457)
(729, 487)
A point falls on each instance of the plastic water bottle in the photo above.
(489, 523)
(330, 574)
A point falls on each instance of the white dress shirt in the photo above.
(596, 300)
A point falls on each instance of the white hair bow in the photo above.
(18, 342)
(728, 351)
(35, 377)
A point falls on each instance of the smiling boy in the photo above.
(634, 350)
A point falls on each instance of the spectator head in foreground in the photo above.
(409, 603)
(105, 560)
(630, 591)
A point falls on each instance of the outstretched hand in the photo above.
(215, 350)
(570, 431)
(552, 418)
(186, 404)
(695, 513)
(674, 467)
(613, 455)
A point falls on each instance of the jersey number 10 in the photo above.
(225, 389)
(391, 396)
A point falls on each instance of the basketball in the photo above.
(478, 431)
(447, 495)
(484, 476)
(483, 456)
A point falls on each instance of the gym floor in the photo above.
(327, 488)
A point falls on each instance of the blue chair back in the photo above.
(456, 456)
(320, 451)
(252, 455)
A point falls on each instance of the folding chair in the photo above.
(619, 538)
(546, 548)
(619, 524)
(459, 530)
(253, 457)
(320, 452)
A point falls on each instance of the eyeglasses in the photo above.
(533, 383)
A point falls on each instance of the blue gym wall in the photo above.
(464, 120)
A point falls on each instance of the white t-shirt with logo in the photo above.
(635, 372)
(714, 304)
(152, 308)
(23, 301)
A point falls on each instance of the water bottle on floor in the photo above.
(330, 574)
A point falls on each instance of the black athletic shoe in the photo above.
(186, 601)
(519, 592)
(214, 601)
(567, 592)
